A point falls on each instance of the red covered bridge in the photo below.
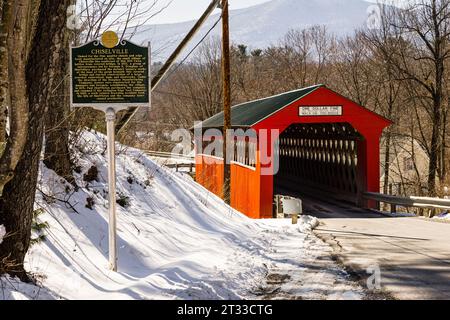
(324, 143)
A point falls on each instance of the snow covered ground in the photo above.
(176, 241)
(443, 216)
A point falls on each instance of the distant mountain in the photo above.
(265, 24)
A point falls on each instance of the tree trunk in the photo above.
(12, 78)
(436, 139)
(17, 203)
(3, 81)
(440, 44)
(443, 165)
(3, 120)
(6, 12)
(435, 150)
(14, 29)
(57, 156)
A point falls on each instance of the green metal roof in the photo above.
(250, 113)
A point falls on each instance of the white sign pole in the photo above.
(111, 127)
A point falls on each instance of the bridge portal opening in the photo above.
(319, 159)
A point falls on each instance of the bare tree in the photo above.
(354, 70)
(13, 53)
(194, 89)
(422, 31)
(3, 85)
(3, 81)
(391, 91)
(19, 16)
(122, 16)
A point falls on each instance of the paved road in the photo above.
(413, 254)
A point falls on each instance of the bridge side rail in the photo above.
(411, 202)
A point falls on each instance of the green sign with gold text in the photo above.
(105, 77)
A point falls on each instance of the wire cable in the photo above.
(195, 47)
(187, 97)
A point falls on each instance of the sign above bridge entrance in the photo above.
(307, 111)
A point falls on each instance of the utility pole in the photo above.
(123, 122)
(226, 78)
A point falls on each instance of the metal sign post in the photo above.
(111, 128)
(110, 76)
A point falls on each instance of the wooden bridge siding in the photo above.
(245, 190)
(210, 175)
(245, 184)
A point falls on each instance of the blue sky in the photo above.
(184, 10)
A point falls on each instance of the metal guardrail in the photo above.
(178, 166)
(168, 155)
(412, 202)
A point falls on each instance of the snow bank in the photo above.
(2, 232)
(308, 223)
(443, 216)
(14, 289)
(175, 239)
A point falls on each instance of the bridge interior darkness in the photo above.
(319, 158)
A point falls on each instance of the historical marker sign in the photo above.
(110, 76)
(106, 76)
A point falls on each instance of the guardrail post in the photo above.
(393, 208)
(361, 202)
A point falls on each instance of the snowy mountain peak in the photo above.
(265, 24)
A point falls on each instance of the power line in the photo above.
(170, 61)
(195, 47)
(186, 96)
